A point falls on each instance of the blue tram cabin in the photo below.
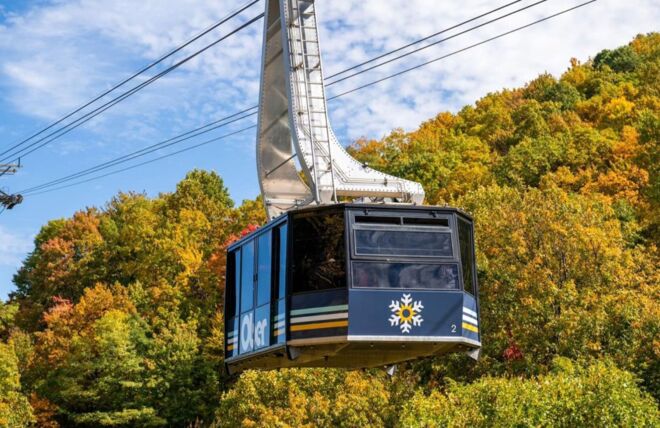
(352, 286)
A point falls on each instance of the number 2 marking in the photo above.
(453, 328)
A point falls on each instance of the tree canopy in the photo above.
(116, 318)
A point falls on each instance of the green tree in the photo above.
(89, 362)
(571, 396)
(623, 59)
(15, 410)
(305, 398)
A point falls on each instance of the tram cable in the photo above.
(188, 135)
(131, 156)
(424, 64)
(137, 73)
(68, 128)
(399, 49)
(389, 61)
(89, 116)
(213, 140)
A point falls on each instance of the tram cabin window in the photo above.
(405, 275)
(247, 277)
(318, 251)
(233, 283)
(414, 243)
(404, 251)
(264, 269)
(467, 254)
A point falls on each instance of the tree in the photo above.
(89, 363)
(571, 396)
(117, 315)
(622, 60)
(305, 398)
(15, 410)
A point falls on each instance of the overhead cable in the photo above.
(399, 49)
(45, 185)
(424, 64)
(220, 123)
(89, 116)
(483, 24)
(213, 140)
(137, 73)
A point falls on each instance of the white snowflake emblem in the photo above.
(406, 313)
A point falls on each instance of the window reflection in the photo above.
(264, 269)
(467, 254)
(319, 252)
(405, 275)
(403, 243)
(247, 277)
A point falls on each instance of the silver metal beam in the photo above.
(293, 109)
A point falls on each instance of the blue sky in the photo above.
(58, 54)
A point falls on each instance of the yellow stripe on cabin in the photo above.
(230, 348)
(470, 327)
(278, 332)
(319, 325)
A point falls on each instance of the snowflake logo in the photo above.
(406, 313)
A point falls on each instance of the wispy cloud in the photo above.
(372, 26)
(58, 55)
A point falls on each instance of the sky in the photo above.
(58, 54)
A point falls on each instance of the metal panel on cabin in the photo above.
(405, 313)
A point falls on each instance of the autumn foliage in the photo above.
(116, 318)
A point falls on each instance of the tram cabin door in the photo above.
(255, 297)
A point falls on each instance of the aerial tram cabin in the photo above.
(329, 284)
(352, 286)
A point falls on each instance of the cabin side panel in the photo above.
(255, 306)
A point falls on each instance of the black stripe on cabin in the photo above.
(325, 332)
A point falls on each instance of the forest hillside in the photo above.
(116, 318)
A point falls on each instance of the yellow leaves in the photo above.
(596, 395)
(305, 398)
(100, 299)
(66, 323)
(628, 147)
(626, 182)
(15, 411)
(577, 74)
(436, 129)
(618, 111)
(646, 44)
(549, 257)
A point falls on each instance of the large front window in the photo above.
(404, 250)
(319, 251)
(411, 243)
(405, 275)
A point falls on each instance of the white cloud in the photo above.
(373, 26)
(13, 247)
(58, 55)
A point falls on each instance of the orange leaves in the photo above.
(44, 411)
(66, 321)
(245, 231)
